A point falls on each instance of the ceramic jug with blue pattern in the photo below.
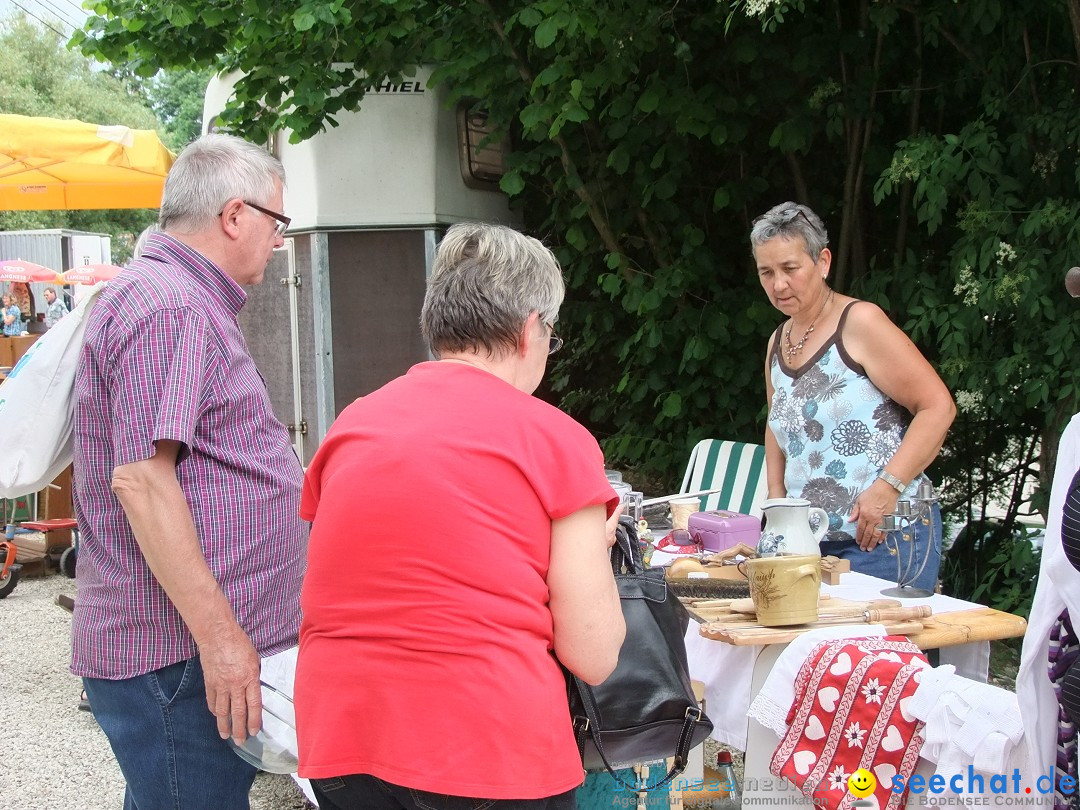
(788, 530)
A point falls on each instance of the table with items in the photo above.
(734, 659)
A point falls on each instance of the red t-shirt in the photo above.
(426, 644)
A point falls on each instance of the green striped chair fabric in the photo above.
(18, 509)
(737, 468)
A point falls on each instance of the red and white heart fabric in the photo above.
(850, 712)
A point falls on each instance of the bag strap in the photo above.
(626, 553)
(589, 726)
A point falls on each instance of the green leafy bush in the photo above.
(993, 566)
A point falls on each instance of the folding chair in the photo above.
(736, 468)
(16, 510)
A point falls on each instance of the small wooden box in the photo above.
(832, 568)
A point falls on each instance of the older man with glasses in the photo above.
(187, 491)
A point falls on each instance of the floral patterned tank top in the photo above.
(836, 428)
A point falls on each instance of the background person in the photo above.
(1048, 681)
(143, 237)
(21, 297)
(484, 549)
(56, 309)
(856, 413)
(186, 490)
(11, 316)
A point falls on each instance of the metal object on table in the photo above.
(899, 530)
(666, 498)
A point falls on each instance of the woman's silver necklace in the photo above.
(792, 349)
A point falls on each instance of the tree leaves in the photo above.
(646, 138)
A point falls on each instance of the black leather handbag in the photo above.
(646, 710)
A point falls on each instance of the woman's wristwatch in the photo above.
(892, 481)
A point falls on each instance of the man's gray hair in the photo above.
(210, 172)
(486, 281)
(789, 220)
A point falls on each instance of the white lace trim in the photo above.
(770, 714)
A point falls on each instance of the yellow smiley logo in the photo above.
(861, 783)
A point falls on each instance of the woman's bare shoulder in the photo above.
(869, 328)
(865, 311)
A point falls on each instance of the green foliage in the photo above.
(993, 566)
(176, 96)
(39, 76)
(937, 140)
(995, 196)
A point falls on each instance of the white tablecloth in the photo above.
(726, 670)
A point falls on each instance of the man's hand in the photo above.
(161, 520)
(231, 671)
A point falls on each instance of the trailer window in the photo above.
(483, 160)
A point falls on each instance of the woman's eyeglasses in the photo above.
(787, 219)
(554, 341)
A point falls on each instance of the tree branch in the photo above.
(596, 215)
(1074, 18)
(913, 126)
(798, 179)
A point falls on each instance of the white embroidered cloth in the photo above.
(967, 724)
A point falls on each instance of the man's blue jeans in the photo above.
(167, 743)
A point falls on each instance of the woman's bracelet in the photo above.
(892, 481)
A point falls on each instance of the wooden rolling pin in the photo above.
(857, 609)
(869, 616)
(824, 598)
(868, 613)
(880, 615)
(853, 609)
(782, 635)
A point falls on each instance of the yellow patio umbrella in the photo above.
(50, 164)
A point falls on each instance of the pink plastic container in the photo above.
(718, 529)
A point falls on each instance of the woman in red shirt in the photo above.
(428, 673)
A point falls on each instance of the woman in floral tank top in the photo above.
(856, 413)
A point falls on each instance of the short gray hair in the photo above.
(486, 281)
(789, 220)
(210, 172)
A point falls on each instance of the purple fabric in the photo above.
(1064, 651)
(164, 358)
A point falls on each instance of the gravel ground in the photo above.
(56, 757)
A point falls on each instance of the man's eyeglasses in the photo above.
(554, 342)
(283, 221)
(787, 219)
